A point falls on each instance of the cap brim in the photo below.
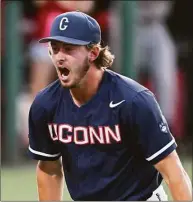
(64, 39)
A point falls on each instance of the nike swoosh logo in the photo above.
(112, 105)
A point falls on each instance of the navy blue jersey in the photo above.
(108, 145)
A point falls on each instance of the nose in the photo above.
(61, 56)
(60, 62)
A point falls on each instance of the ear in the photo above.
(49, 51)
(94, 53)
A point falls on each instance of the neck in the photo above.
(88, 87)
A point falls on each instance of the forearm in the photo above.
(50, 185)
(181, 188)
(175, 177)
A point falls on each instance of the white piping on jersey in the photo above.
(160, 151)
(43, 154)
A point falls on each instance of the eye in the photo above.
(68, 48)
(55, 49)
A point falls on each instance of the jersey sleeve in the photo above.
(153, 134)
(41, 146)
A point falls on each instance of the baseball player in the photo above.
(104, 132)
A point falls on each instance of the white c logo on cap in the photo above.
(62, 25)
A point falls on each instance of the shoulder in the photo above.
(125, 88)
(47, 98)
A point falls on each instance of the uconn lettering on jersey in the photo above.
(82, 135)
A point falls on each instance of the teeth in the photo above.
(63, 76)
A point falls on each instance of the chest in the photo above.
(82, 126)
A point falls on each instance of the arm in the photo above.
(46, 151)
(175, 177)
(50, 180)
(158, 145)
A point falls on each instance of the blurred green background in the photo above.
(19, 184)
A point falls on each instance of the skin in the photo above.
(83, 81)
(50, 180)
(84, 77)
(175, 177)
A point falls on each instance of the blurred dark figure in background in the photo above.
(156, 57)
(180, 24)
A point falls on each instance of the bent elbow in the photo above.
(52, 168)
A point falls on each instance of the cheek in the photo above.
(53, 58)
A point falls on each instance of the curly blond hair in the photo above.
(105, 58)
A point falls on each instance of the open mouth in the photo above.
(64, 71)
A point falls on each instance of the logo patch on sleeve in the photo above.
(163, 127)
